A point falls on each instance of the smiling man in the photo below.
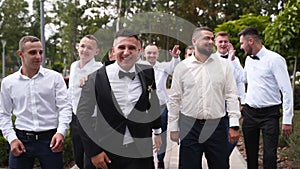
(87, 50)
(124, 93)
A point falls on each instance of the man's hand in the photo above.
(286, 129)
(57, 143)
(231, 51)
(83, 80)
(157, 143)
(100, 160)
(233, 135)
(174, 135)
(17, 147)
(175, 52)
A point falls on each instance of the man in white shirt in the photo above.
(268, 87)
(162, 70)
(87, 50)
(226, 51)
(128, 110)
(38, 98)
(201, 84)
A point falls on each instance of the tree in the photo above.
(15, 23)
(283, 35)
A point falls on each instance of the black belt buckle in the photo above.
(32, 136)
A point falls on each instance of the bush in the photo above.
(4, 151)
(68, 150)
(293, 150)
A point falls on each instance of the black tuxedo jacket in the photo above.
(106, 131)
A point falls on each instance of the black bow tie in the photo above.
(224, 56)
(130, 75)
(254, 57)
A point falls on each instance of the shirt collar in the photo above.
(119, 68)
(261, 52)
(88, 64)
(210, 58)
(41, 72)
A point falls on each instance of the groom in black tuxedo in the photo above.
(124, 97)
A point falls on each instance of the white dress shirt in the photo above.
(77, 73)
(266, 77)
(203, 89)
(39, 103)
(126, 91)
(162, 71)
(238, 73)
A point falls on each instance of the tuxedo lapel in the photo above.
(143, 102)
(102, 85)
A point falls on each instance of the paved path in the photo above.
(172, 158)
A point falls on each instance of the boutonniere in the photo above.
(150, 88)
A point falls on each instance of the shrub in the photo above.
(293, 150)
(4, 151)
(68, 150)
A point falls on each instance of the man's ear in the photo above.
(193, 41)
(97, 51)
(20, 53)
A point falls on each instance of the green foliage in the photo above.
(58, 66)
(68, 150)
(234, 27)
(293, 150)
(4, 151)
(283, 35)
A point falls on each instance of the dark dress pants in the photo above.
(127, 162)
(267, 121)
(203, 136)
(164, 123)
(36, 149)
(81, 160)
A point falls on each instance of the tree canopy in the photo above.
(69, 20)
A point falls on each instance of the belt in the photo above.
(264, 108)
(42, 135)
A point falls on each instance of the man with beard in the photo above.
(268, 87)
(201, 84)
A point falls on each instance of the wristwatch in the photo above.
(236, 128)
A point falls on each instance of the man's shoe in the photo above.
(160, 165)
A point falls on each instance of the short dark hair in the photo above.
(197, 31)
(128, 33)
(25, 39)
(250, 31)
(92, 37)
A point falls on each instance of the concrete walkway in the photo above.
(172, 158)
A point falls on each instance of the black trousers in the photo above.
(198, 137)
(128, 162)
(82, 161)
(267, 121)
